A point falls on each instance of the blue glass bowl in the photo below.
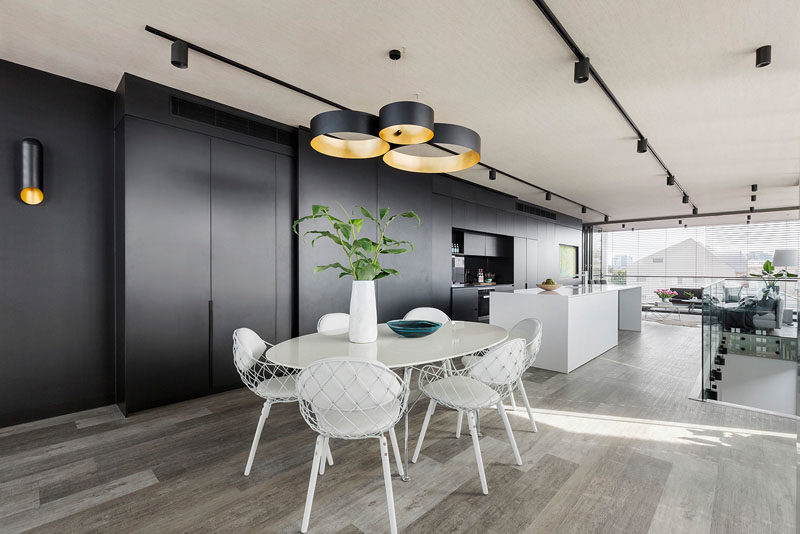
(414, 328)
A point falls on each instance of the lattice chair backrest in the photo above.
(264, 378)
(503, 364)
(351, 399)
(531, 331)
(427, 314)
(331, 322)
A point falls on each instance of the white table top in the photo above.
(576, 290)
(453, 339)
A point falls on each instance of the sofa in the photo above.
(681, 298)
(752, 313)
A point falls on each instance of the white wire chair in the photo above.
(272, 382)
(482, 385)
(531, 331)
(427, 314)
(333, 322)
(352, 399)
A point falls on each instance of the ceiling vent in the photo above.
(535, 210)
(229, 121)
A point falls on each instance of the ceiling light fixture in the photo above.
(582, 68)
(680, 221)
(406, 123)
(641, 145)
(446, 134)
(548, 196)
(492, 174)
(583, 209)
(752, 198)
(670, 179)
(694, 210)
(685, 198)
(752, 209)
(748, 222)
(754, 188)
(623, 225)
(763, 56)
(347, 134)
(686, 226)
(605, 219)
(748, 217)
(180, 54)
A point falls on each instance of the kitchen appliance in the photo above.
(483, 304)
(458, 270)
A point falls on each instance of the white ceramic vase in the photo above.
(363, 313)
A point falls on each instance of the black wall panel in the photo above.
(442, 237)
(56, 344)
(243, 263)
(167, 264)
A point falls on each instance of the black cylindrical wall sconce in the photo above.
(31, 189)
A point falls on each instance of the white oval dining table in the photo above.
(452, 340)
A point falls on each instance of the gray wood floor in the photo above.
(620, 448)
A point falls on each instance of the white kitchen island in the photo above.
(579, 323)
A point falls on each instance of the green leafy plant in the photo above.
(363, 254)
(688, 295)
(771, 277)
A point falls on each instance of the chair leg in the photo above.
(387, 481)
(325, 450)
(328, 453)
(477, 446)
(257, 437)
(312, 483)
(502, 410)
(513, 400)
(521, 389)
(431, 408)
(396, 451)
(458, 426)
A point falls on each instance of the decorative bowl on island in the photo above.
(414, 328)
(548, 287)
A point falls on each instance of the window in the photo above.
(569, 260)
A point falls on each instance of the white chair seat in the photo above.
(462, 392)
(357, 424)
(280, 387)
(470, 360)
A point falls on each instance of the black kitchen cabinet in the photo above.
(505, 223)
(243, 273)
(520, 262)
(474, 244)
(532, 263)
(465, 304)
(163, 287)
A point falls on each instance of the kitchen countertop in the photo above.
(480, 286)
(577, 290)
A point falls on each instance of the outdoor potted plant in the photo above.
(665, 294)
(770, 277)
(363, 255)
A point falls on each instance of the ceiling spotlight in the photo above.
(605, 219)
(492, 174)
(180, 54)
(763, 56)
(395, 54)
(752, 198)
(685, 198)
(641, 145)
(752, 209)
(548, 196)
(583, 209)
(670, 180)
(686, 226)
(754, 188)
(694, 210)
(623, 225)
(632, 229)
(748, 222)
(581, 70)
(748, 217)
(680, 221)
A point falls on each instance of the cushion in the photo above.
(462, 392)
(279, 387)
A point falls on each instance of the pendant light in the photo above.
(406, 123)
(31, 190)
(450, 135)
(347, 134)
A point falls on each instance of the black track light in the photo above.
(748, 222)
(641, 145)
(670, 180)
(623, 225)
(752, 198)
(680, 221)
(581, 70)
(492, 174)
(180, 54)
(754, 188)
(632, 229)
(694, 210)
(548, 196)
(748, 217)
(686, 226)
(605, 219)
(685, 198)
(752, 209)
(583, 209)
(763, 56)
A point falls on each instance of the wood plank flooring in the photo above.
(620, 448)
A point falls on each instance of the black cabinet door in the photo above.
(465, 304)
(167, 264)
(487, 219)
(493, 246)
(474, 244)
(242, 250)
(441, 239)
(520, 262)
(532, 263)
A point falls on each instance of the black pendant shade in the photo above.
(31, 189)
(406, 123)
(670, 179)
(347, 134)
(752, 198)
(754, 188)
(180, 54)
(451, 135)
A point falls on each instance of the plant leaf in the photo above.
(366, 244)
(317, 209)
(382, 213)
(343, 229)
(406, 215)
(323, 233)
(357, 224)
(365, 212)
(337, 265)
(365, 270)
(391, 241)
(393, 250)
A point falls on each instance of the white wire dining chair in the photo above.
(427, 314)
(333, 322)
(531, 331)
(272, 382)
(352, 399)
(483, 385)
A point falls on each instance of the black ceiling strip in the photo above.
(573, 46)
(255, 72)
(701, 216)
